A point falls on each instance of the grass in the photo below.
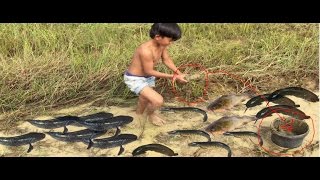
(44, 66)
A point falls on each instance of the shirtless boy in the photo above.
(140, 75)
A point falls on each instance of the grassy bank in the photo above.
(43, 66)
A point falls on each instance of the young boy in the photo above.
(140, 75)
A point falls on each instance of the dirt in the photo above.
(148, 133)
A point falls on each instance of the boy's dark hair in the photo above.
(171, 30)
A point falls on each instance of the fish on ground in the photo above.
(227, 102)
(76, 136)
(283, 109)
(24, 139)
(102, 125)
(110, 142)
(154, 147)
(61, 121)
(294, 91)
(96, 117)
(258, 100)
(228, 123)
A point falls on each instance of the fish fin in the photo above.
(90, 144)
(30, 148)
(65, 129)
(117, 132)
(121, 150)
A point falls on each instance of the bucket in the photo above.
(288, 133)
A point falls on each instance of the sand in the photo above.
(148, 133)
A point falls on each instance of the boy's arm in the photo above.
(148, 66)
(168, 61)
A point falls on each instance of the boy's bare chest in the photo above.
(157, 56)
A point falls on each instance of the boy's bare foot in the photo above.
(156, 120)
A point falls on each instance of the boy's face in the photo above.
(163, 41)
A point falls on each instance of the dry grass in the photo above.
(45, 66)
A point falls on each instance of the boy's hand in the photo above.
(180, 78)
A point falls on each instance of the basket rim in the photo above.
(275, 131)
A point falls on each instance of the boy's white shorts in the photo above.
(137, 83)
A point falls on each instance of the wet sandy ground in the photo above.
(148, 133)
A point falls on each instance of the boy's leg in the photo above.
(155, 101)
(142, 104)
